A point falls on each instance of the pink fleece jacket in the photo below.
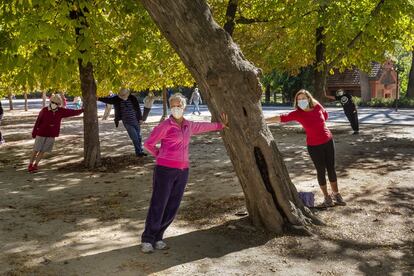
(175, 140)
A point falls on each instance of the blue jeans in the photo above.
(196, 107)
(134, 132)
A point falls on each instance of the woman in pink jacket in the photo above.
(171, 170)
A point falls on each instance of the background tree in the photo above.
(410, 88)
(95, 46)
(322, 34)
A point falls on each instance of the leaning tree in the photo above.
(232, 85)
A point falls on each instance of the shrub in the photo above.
(382, 102)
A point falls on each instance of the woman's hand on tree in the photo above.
(224, 120)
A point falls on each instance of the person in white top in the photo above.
(196, 99)
(148, 102)
(108, 108)
(77, 101)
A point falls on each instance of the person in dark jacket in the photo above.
(46, 128)
(128, 111)
(1, 117)
(349, 108)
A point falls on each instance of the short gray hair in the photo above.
(180, 97)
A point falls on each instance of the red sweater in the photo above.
(48, 121)
(313, 122)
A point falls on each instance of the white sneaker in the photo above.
(146, 247)
(161, 245)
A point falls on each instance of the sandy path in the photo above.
(67, 221)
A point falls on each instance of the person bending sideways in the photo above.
(171, 170)
(47, 128)
(312, 116)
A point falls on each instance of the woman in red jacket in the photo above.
(312, 116)
(46, 128)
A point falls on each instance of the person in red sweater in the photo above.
(312, 116)
(46, 128)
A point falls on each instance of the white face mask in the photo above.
(177, 112)
(303, 104)
(53, 106)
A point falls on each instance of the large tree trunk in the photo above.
(233, 86)
(91, 144)
(410, 88)
(206, 100)
(320, 73)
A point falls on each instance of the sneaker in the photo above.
(338, 200)
(355, 132)
(161, 245)
(326, 203)
(35, 168)
(146, 247)
(142, 154)
(30, 168)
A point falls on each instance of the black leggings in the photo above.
(323, 157)
(353, 119)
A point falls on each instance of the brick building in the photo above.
(380, 82)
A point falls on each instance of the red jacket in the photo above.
(48, 121)
(313, 122)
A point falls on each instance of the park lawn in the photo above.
(65, 220)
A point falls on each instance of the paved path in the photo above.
(366, 115)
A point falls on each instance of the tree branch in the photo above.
(244, 20)
(230, 16)
(353, 42)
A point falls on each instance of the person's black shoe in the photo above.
(142, 154)
(355, 133)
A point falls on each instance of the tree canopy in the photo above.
(40, 48)
(281, 34)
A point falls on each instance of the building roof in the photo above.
(376, 70)
(351, 77)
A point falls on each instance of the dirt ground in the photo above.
(68, 221)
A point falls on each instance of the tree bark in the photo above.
(26, 106)
(91, 144)
(410, 87)
(320, 73)
(233, 86)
